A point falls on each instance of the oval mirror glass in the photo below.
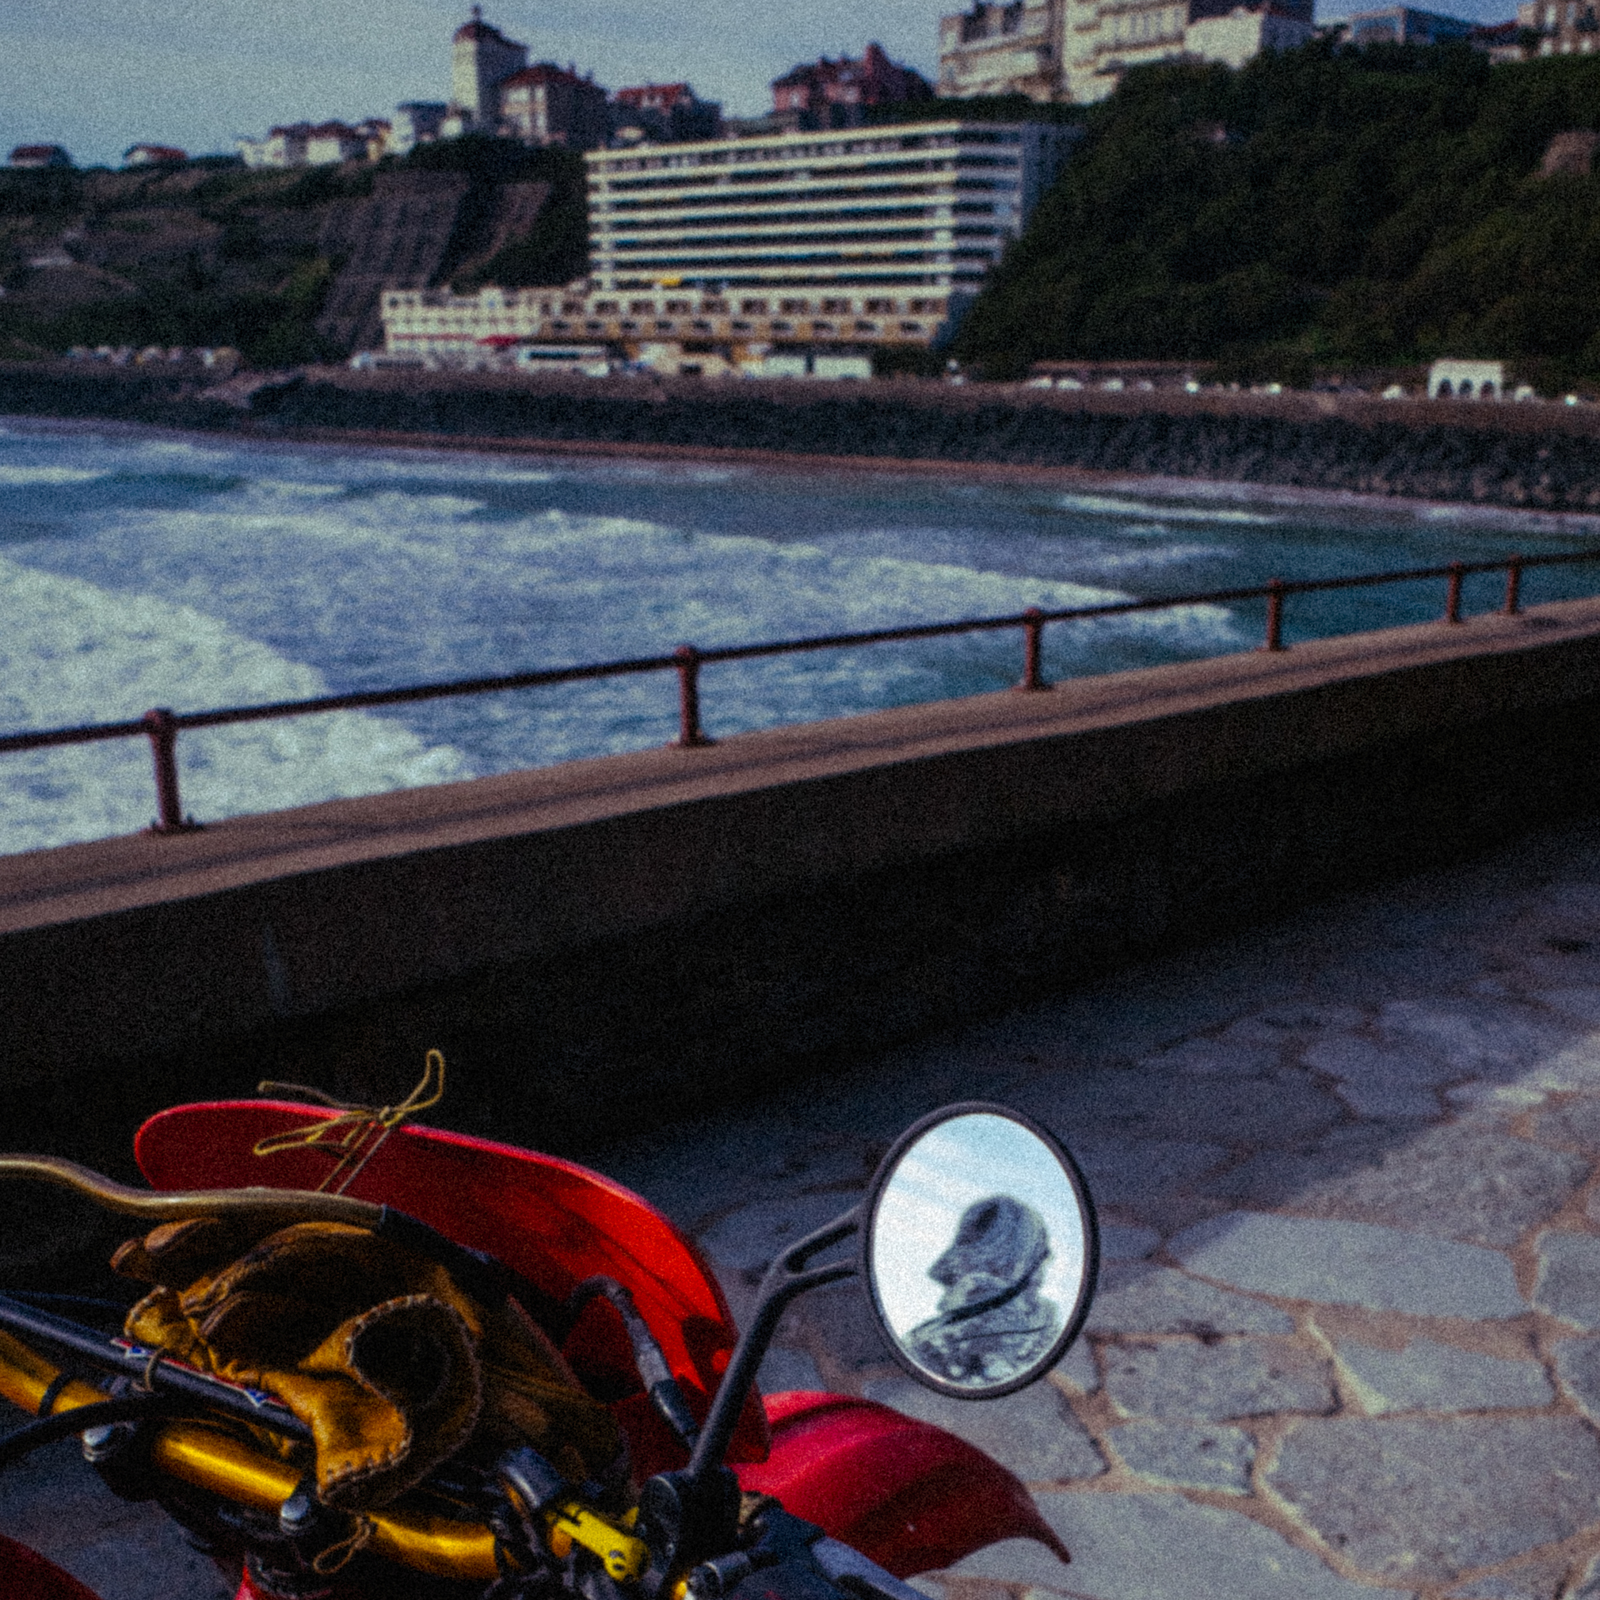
(980, 1250)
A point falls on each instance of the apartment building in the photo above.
(1077, 50)
(791, 245)
(1565, 27)
(1003, 47)
(921, 208)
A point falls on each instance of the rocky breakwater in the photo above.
(1536, 456)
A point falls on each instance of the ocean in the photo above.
(140, 569)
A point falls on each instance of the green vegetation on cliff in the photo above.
(1318, 208)
(197, 255)
(212, 254)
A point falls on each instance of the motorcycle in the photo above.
(976, 1242)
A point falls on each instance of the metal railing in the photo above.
(162, 726)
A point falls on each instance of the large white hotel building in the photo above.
(786, 250)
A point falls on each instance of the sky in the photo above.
(100, 75)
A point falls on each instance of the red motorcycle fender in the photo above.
(911, 1496)
(26, 1575)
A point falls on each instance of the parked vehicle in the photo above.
(596, 1431)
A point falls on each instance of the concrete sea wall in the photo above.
(1536, 456)
(601, 944)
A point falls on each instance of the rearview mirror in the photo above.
(980, 1250)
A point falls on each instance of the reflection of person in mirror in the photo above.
(993, 1323)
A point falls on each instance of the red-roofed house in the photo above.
(833, 94)
(40, 155)
(153, 155)
(670, 111)
(545, 104)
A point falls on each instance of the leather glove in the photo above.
(371, 1345)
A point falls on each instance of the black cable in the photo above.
(665, 1393)
(169, 1378)
(79, 1304)
(35, 1435)
(52, 1393)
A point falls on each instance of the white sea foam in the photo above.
(1146, 556)
(1096, 505)
(437, 468)
(26, 477)
(294, 488)
(71, 652)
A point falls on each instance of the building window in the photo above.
(700, 325)
(571, 308)
(822, 327)
(911, 327)
(678, 307)
(641, 307)
(836, 308)
(606, 308)
(880, 308)
(743, 327)
(665, 327)
(719, 308)
(753, 308)
(866, 327)
(795, 308)
(783, 327)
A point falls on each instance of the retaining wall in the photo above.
(597, 944)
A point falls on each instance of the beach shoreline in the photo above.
(1543, 458)
(1146, 487)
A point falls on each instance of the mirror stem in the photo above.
(785, 1278)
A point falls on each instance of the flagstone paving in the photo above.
(1347, 1338)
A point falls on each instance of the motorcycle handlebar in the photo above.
(223, 1464)
(209, 1459)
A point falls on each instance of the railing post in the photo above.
(162, 727)
(1452, 603)
(1033, 639)
(690, 732)
(1513, 585)
(1274, 614)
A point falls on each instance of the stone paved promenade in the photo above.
(1347, 1340)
